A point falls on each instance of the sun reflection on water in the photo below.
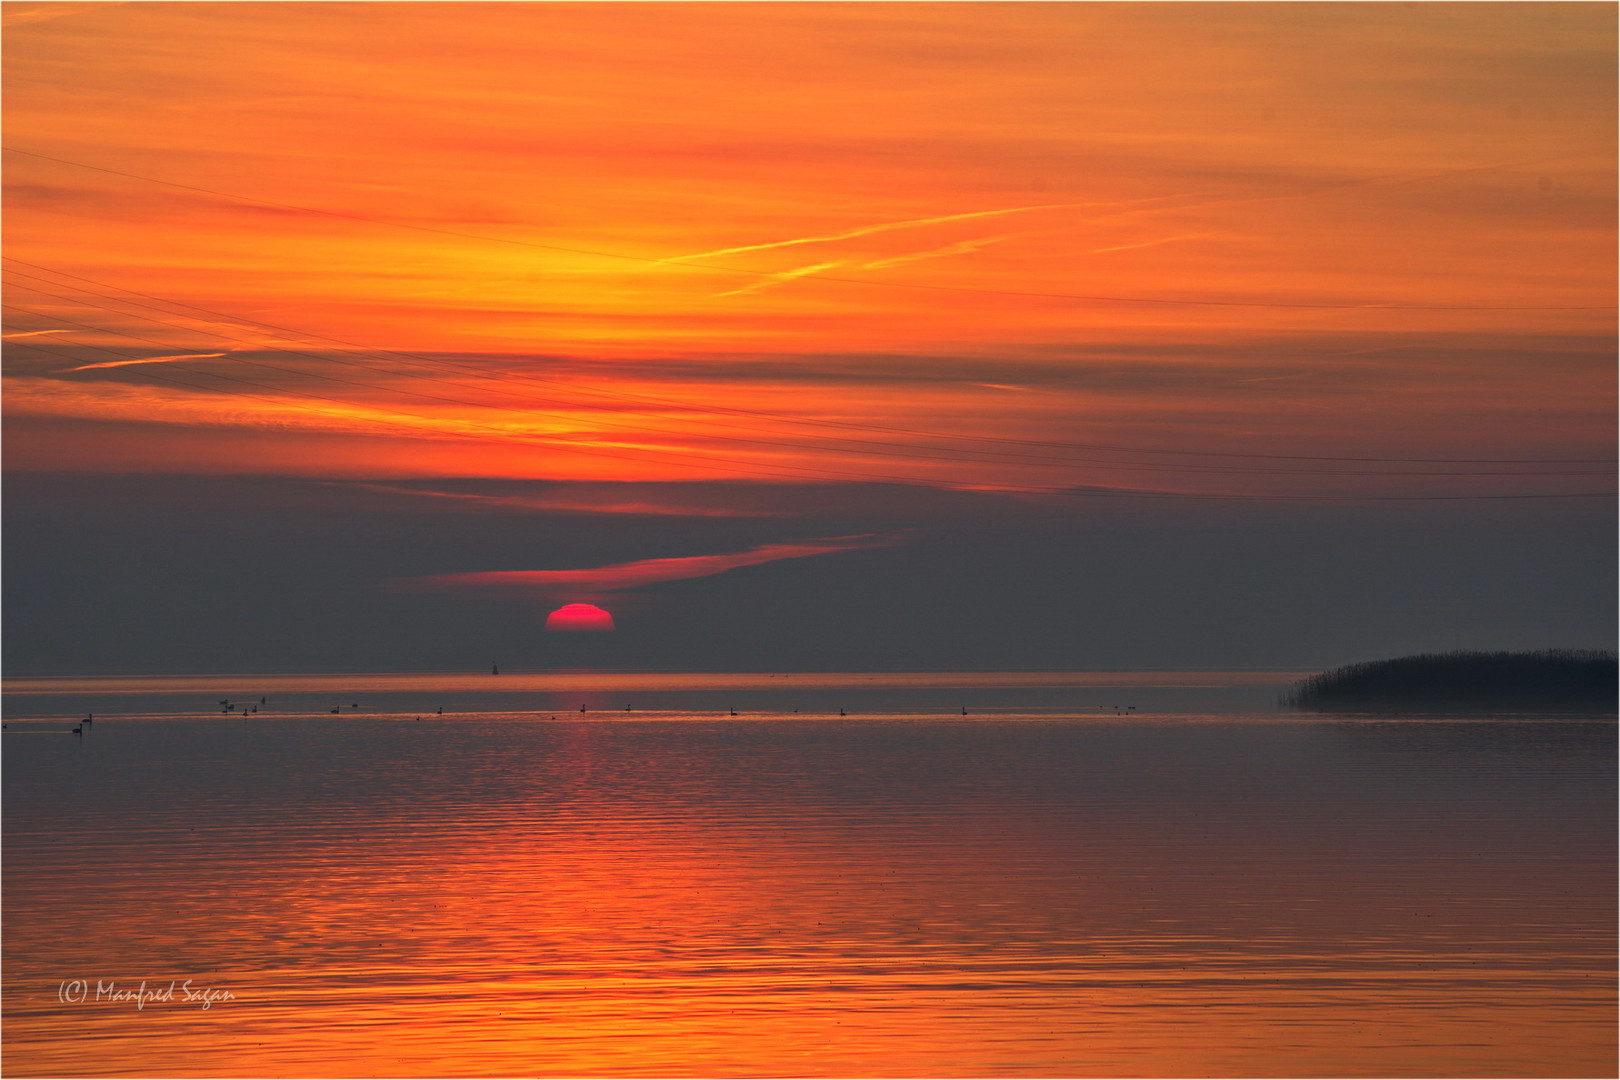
(886, 897)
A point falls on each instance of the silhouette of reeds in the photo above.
(1551, 680)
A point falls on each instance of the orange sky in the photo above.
(668, 241)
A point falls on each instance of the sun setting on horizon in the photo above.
(585, 617)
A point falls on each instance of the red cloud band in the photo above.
(634, 575)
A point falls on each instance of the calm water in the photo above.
(1202, 887)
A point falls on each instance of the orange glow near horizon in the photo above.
(951, 245)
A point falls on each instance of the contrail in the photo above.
(778, 279)
(1149, 243)
(889, 226)
(34, 333)
(966, 247)
(963, 248)
(148, 360)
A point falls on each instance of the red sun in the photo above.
(579, 617)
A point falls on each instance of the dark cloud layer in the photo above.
(132, 574)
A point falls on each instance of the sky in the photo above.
(362, 336)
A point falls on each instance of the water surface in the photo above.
(679, 892)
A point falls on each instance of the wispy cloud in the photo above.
(147, 360)
(570, 501)
(775, 280)
(21, 14)
(634, 575)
